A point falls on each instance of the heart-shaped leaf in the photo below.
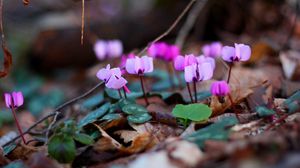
(134, 109)
(194, 112)
(139, 118)
(83, 138)
(94, 115)
(62, 148)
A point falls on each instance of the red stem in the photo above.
(229, 72)
(195, 91)
(18, 125)
(143, 88)
(277, 121)
(190, 93)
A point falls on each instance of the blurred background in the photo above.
(50, 65)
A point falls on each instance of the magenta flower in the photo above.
(172, 52)
(139, 65)
(202, 59)
(163, 51)
(181, 62)
(13, 101)
(240, 52)
(108, 49)
(212, 50)
(198, 72)
(220, 88)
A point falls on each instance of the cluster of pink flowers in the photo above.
(108, 49)
(163, 51)
(195, 68)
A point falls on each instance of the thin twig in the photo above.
(189, 23)
(51, 125)
(59, 108)
(186, 9)
(82, 23)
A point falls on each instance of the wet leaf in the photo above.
(62, 148)
(84, 138)
(134, 109)
(112, 116)
(216, 131)
(194, 112)
(293, 102)
(139, 118)
(93, 101)
(264, 111)
(9, 148)
(94, 115)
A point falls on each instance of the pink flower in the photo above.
(139, 65)
(202, 59)
(100, 49)
(111, 49)
(240, 52)
(220, 88)
(112, 77)
(198, 72)
(116, 82)
(163, 51)
(212, 50)
(14, 100)
(114, 48)
(124, 59)
(181, 62)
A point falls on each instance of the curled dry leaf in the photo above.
(7, 61)
(26, 2)
(24, 151)
(140, 143)
(39, 159)
(290, 61)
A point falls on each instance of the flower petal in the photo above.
(228, 53)
(114, 48)
(206, 71)
(7, 98)
(206, 50)
(116, 83)
(130, 66)
(179, 63)
(104, 73)
(215, 49)
(100, 49)
(116, 72)
(189, 73)
(18, 98)
(245, 52)
(147, 64)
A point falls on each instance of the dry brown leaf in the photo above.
(24, 151)
(139, 143)
(7, 61)
(106, 142)
(39, 159)
(127, 135)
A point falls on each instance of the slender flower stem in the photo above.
(282, 118)
(170, 75)
(233, 108)
(229, 72)
(143, 88)
(190, 93)
(125, 93)
(120, 94)
(195, 91)
(18, 125)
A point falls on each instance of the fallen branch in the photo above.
(189, 23)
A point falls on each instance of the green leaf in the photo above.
(264, 111)
(134, 109)
(93, 101)
(9, 148)
(194, 112)
(113, 94)
(84, 138)
(216, 131)
(62, 148)
(94, 115)
(293, 102)
(139, 118)
(111, 116)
